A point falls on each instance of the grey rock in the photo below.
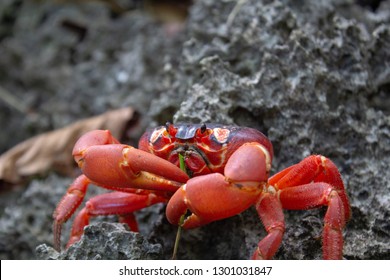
(108, 241)
(312, 85)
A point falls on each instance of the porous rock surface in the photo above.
(313, 76)
(106, 240)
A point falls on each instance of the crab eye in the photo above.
(167, 125)
(203, 128)
(170, 130)
(202, 131)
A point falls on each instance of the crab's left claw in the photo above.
(215, 196)
(110, 164)
(107, 163)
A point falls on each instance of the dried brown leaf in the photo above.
(53, 150)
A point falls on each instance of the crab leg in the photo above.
(271, 214)
(129, 219)
(115, 203)
(68, 205)
(313, 182)
(315, 168)
(75, 195)
(314, 195)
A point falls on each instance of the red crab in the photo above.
(229, 168)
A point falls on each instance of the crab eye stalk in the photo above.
(203, 128)
(167, 125)
(170, 129)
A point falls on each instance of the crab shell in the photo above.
(205, 147)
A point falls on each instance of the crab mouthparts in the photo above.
(195, 161)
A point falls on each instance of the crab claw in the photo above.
(119, 166)
(92, 138)
(215, 196)
(209, 198)
(111, 165)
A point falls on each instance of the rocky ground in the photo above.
(314, 76)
